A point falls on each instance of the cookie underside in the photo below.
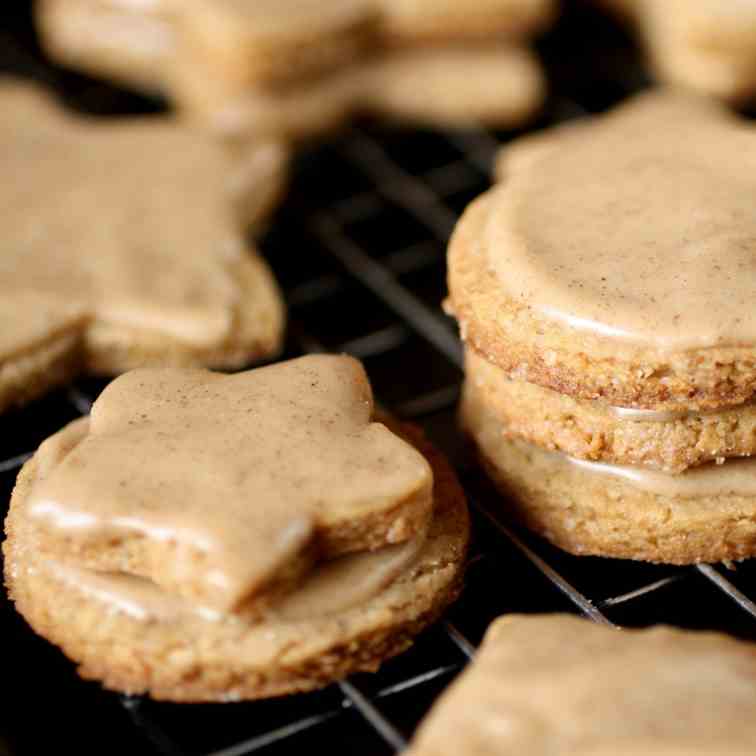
(587, 513)
(31, 374)
(224, 660)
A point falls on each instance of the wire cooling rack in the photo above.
(359, 250)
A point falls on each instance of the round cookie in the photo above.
(187, 602)
(668, 441)
(211, 660)
(558, 684)
(578, 275)
(706, 514)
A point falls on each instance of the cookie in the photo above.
(669, 441)
(705, 514)
(705, 46)
(240, 536)
(450, 86)
(557, 684)
(603, 291)
(123, 246)
(296, 69)
(579, 274)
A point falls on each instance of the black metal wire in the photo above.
(359, 248)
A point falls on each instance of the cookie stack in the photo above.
(119, 252)
(206, 537)
(293, 68)
(604, 289)
(707, 46)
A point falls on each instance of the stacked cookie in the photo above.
(604, 289)
(298, 67)
(206, 537)
(119, 250)
(708, 46)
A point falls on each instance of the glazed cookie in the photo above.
(603, 291)
(707, 46)
(245, 67)
(666, 440)
(579, 274)
(123, 246)
(561, 685)
(240, 536)
(705, 514)
(451, 86)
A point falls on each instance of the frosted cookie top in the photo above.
(132, 223)
(219, 488)
(636, 226)
(556, 684)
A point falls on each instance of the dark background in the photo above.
(358, 247)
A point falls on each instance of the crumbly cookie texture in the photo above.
(577, 274)
(668, 441)
(706, 514)
(556, 684)
(247, 67)
(123, 246)
(705, 46)
(214, 573)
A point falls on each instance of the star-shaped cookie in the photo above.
(123, 245)
(298, 67)
(206, 537)
(221, 487)
(557, 684)
(707, 45)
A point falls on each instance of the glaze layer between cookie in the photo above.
(666, 440)
(706, 514)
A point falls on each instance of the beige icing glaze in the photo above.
(636, 415)
(562, 686)
(248, 470)
(333, 587)
(131, 221)
(650, 416)
(736, 477)
(638, 227)
(661, 416)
